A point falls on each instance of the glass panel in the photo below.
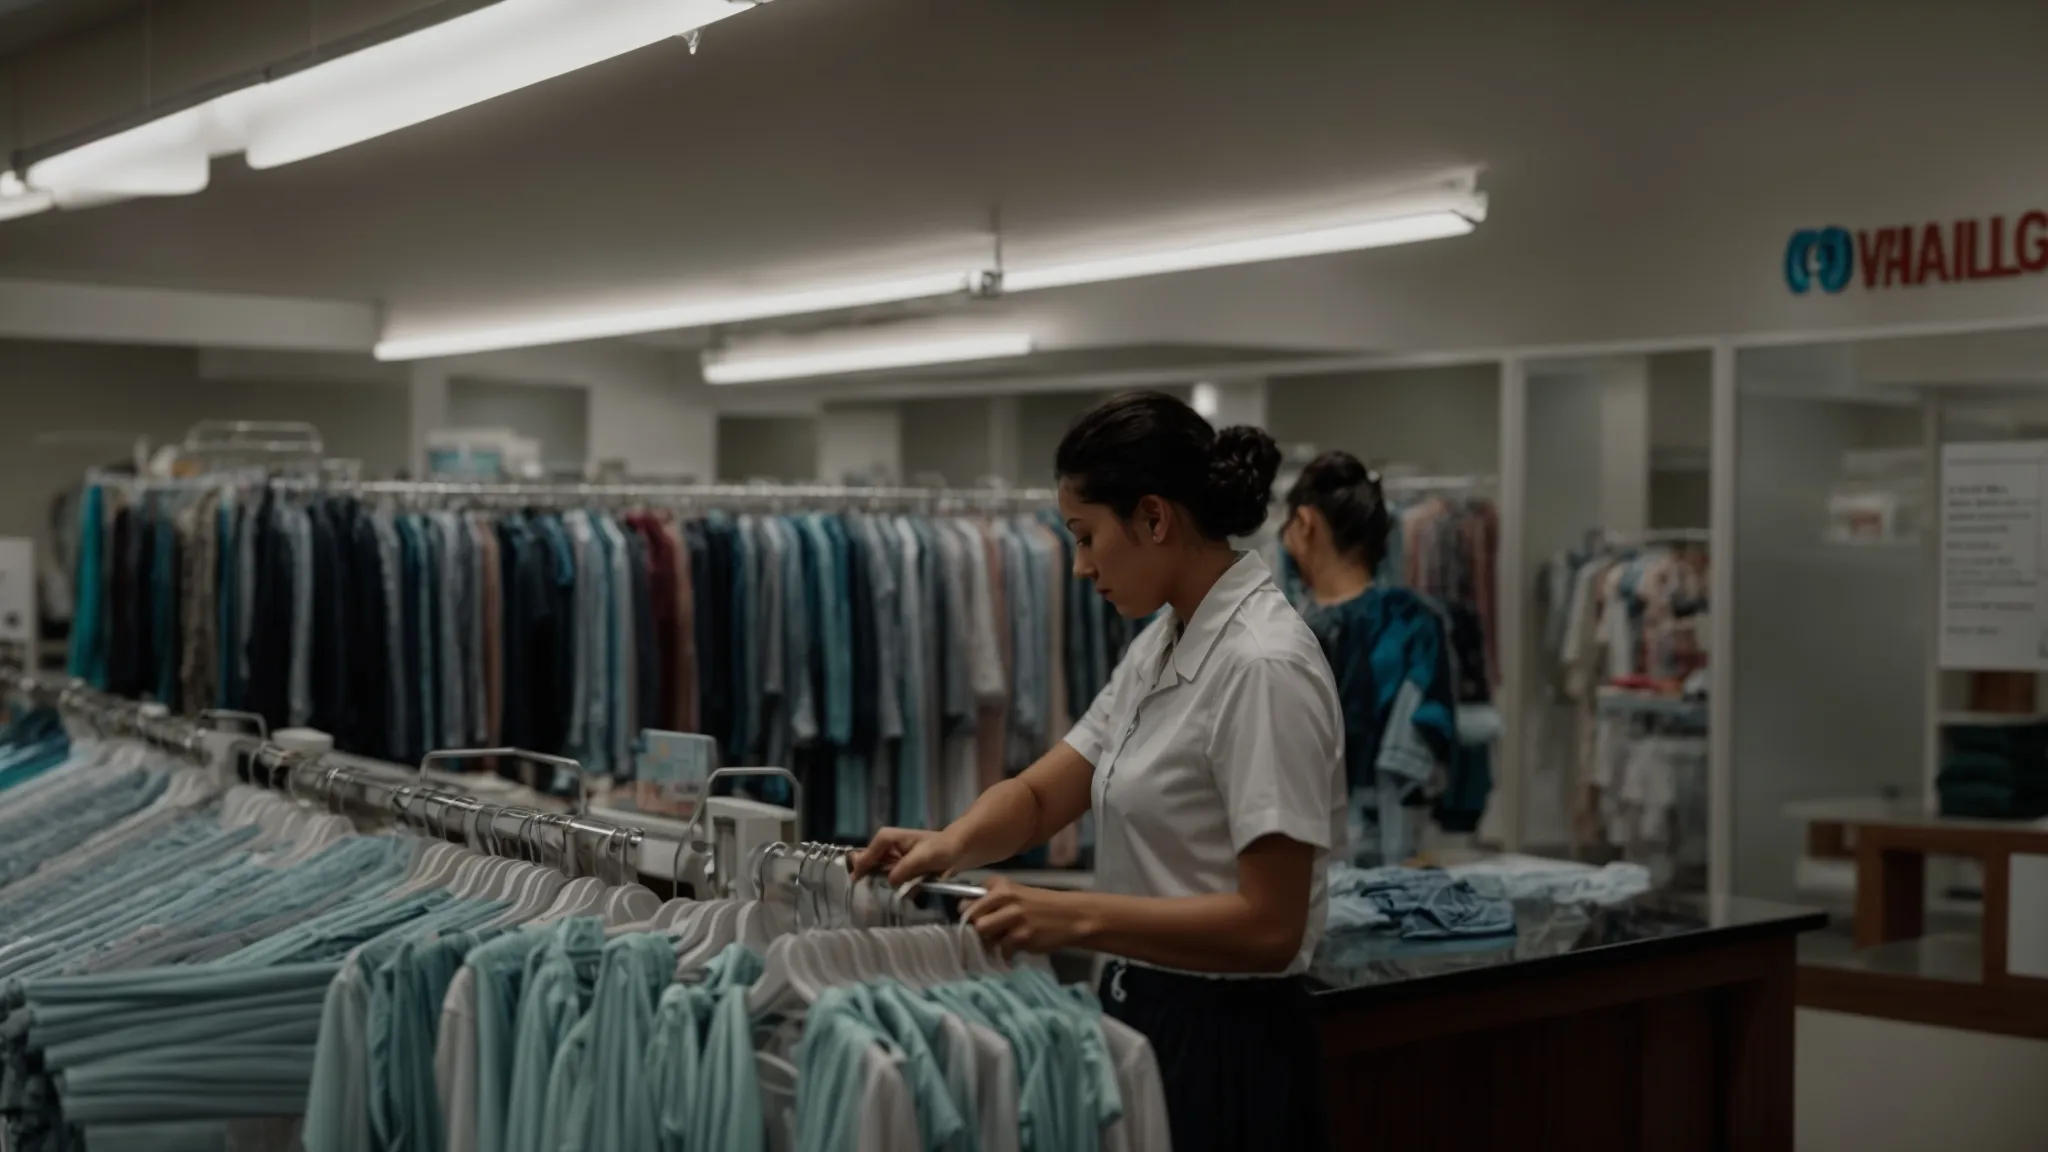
(1832, 595)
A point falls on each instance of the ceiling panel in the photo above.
(27, 22)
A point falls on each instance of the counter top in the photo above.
(1548, 937)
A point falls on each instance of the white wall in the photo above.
(860, 443)
(1443, 420)
(644, 409)
(779, 448)
(158, 393)
(951, 437)
(555, 415)
(1565, 485)
(1681, 436)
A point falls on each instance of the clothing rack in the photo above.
(369, 787)
(726, 497)
(1437, 485)
(1655, 536)
(817, 877)
(407, 616)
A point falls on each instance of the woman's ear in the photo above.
(1151, 518)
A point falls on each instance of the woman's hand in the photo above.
(1017, 919)
(908, 854)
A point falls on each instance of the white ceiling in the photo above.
(25, 22)
(1624, 145)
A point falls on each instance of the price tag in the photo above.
(673, 769)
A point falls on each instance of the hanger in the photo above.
(583, 896)
(542, 883)
(629, 902)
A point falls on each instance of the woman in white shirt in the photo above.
(1214, 763)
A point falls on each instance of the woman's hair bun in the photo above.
(1349, 495)
(1241, 470)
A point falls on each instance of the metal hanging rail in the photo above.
(720, 497)
(376, 787)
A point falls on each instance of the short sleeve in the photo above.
(1277, 753)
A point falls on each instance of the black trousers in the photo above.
(1238, 1056)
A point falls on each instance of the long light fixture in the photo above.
(465, 60)
(168, 156)
(1435, 225)
(18, 199)
(732, 367)
(1450, 206)
(691, 314)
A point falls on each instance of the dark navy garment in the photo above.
(1375, 642)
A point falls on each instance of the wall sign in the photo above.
(1915, 255)
(1994, 554)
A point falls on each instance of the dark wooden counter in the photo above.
(1662, 1025)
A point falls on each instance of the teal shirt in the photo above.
(597, 1091)
(500, 968)
(561, 978)
(701, 1056)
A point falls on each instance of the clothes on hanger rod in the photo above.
(167, 944)
(193, 966)
(706, 1032)
(901, 661)
(1625, 624)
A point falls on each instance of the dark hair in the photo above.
(1151, 444)
(1348, 495)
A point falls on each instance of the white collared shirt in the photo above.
(1205, 741)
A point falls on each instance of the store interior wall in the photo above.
(1830, 640)
(557, 416)
(950, 437)
(860, 444)
(1563, 501)
(1681, 435)
(159, 393)
(783, 449)
(1445, 421)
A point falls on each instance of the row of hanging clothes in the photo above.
(1422, 637)
(902, 650)
(329, 953)
(1625, 626)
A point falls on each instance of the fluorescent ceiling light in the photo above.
(1451, 206)
(164, 157)
(695, 314)
(497, 49)
(1435, 225)
(749, 368)
(466, 60)
(18, 200)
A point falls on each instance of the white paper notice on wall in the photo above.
(1994, 556)
(17, 590)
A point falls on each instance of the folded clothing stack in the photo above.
(1994, 771)
(1474, 901)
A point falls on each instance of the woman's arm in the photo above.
(1256, 929)
(1019, 813)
